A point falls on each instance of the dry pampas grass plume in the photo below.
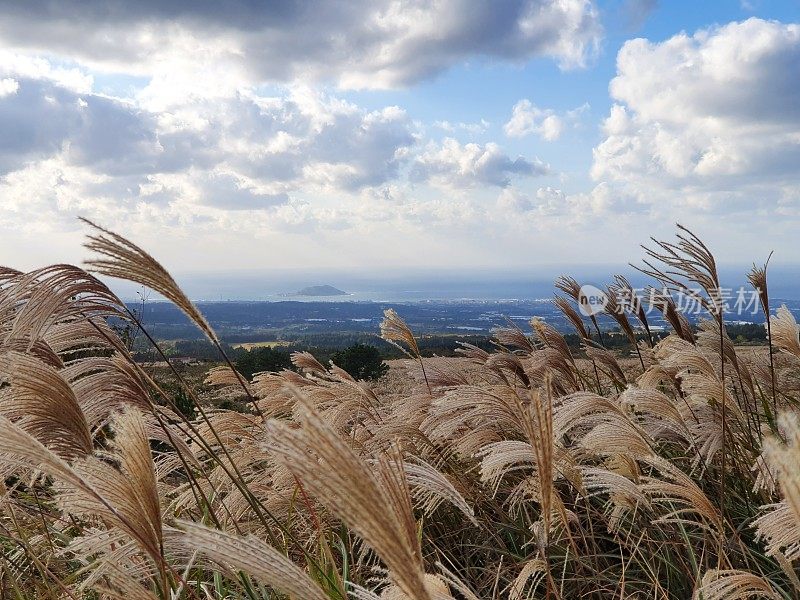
(122, 259)
(373, 500)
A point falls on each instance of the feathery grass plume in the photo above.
(622, 290)
(625, 495)
(784, 458)
(663, 302)
(538, 425)
(572, 288)
(307, 362)
(779, 528)
(758, 279)
(111, 495)
(510, 336)
(708, 338)
(19, 448)
(687, 261)
(136, 465)
(38, 300)
(604, 358)
(732, 584)
(498, 459)
(616, 310)
(436, 586)
(551, 338)
(7, 273)
(251, 555)
(395, 330)
(480, 355)
(112, 565)
(757, 276)
(505, 361)
(39, 400)
(785, 331)
(122, 259)
(374, 502)
(676, 487)
(432, 487)
(569, 286)
(77, 337)
(104, 385)
(657, 412)
(529, 577)
(228, 382)
(572, 315)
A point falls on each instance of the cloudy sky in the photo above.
(391, 134)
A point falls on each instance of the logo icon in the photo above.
(591, 300)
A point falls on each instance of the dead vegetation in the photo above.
(521, 473)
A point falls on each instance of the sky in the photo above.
(399, 135)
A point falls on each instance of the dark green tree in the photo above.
(361, 361)
(262, 359)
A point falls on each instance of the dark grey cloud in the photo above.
(41, 119)
(363, 43)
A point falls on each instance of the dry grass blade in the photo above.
(123, 259)
(252, 556)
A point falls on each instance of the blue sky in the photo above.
(365, 136)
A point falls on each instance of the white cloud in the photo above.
(297, 162)
(243, 148)
(527, 119)
(472, 128)
(568, 209)
(710, 121)
(8, 86)
(464, 166)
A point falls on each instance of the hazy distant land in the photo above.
(320, 290)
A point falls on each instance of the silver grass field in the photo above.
(527, 472)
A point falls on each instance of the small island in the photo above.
(321, 290)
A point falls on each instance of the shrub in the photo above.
(361, 361)
(261, 359)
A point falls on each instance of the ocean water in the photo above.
(441, 286)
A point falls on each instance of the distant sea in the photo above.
(440, 286)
